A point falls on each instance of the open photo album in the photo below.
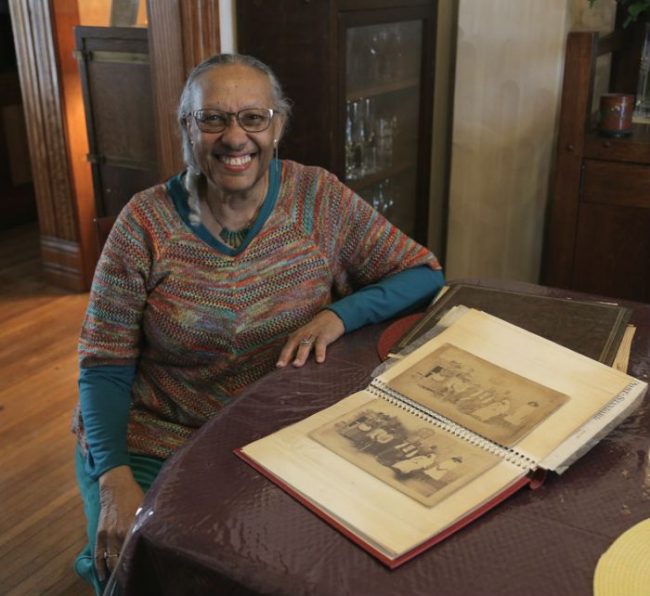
(445, 433)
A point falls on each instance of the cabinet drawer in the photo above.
(612, 253)
(614, 183)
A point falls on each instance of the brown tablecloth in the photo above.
(212, 525)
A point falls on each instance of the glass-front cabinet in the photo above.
(360, 75)
(382, 116)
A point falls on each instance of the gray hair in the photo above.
(281, 105)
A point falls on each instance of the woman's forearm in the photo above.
(392, 296)
(105, 398)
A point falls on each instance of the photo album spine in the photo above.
(599, 426)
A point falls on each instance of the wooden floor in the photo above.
(41, 518)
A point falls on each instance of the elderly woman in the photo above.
(239, 264)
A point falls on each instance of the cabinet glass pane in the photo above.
(382, 116)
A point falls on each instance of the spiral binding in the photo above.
(396, 398)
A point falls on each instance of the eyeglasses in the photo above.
(250, 119)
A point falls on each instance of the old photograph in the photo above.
(478, 394)
(401, 449)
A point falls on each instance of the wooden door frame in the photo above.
(181, 34)
(67, 248)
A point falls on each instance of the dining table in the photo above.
(213, 525)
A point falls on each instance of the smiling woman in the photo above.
(239, 264)
(233, 126)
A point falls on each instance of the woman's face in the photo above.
(233, 161)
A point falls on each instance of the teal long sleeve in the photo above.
(392, 296)
(105, 398)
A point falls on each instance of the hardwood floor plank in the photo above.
(43, 395)
(41, 520)
(54, 535)
(55, 577)
(44, 462)
(24, 528)
(34, 338)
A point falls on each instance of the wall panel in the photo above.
(181, 34)
(509, 64)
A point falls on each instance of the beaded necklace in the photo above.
(234, 238)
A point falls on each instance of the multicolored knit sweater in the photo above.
(200, 322)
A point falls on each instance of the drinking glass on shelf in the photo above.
(389, 197)
(381, 197)
(374, 55)
(385, 135)
(356, 67)
(355, 140)
(370, 145)
(398, 45)
(350, 168)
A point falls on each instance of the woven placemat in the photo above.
(624, 568)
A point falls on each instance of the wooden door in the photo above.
(116, 84)
(180, 35)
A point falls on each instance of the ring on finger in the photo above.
(307, 341)
(108, 555)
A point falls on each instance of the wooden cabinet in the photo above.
(599, 229)
(360, 74)
(116, 86)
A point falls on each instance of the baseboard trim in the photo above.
(62, 263)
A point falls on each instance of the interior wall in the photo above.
(228, 29)
(509, 65)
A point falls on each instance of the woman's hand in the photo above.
(120, 496)
(321, 331)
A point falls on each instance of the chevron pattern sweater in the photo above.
(201, 322)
